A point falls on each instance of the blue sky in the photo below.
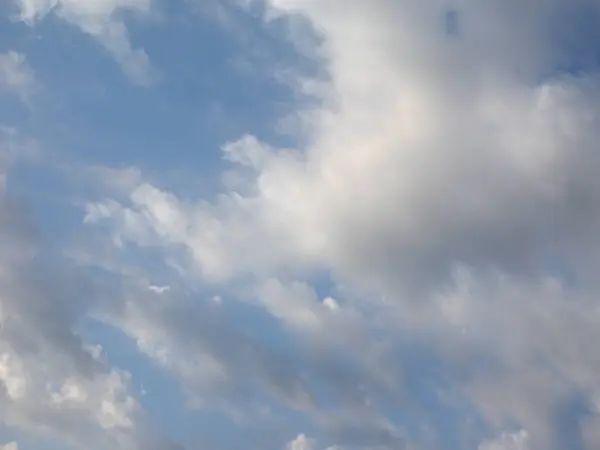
(299, 224)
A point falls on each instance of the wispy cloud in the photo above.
(54, 384)
(10, 446)
(101, 19)
(16, 76)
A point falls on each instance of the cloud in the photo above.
(43, 365)
(10, 446)
(52, 382)
(507, 441)
(16, 76)
(172, 327)
(300, 443)
(444, 180)
(102, 20)
(446, 190)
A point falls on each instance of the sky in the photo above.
(299, 224)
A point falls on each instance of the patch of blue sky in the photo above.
(452, 22)
(568, 421)
(576, 37)
(208, 91)
(13, 111)
(47, 198)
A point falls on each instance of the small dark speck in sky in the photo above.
(451, 20)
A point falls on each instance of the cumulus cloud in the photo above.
(446, 188)
(300, 443)
(102, 20)
(448, 185)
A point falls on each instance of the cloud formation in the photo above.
(445, 175)
(419, 271)
(52, 382)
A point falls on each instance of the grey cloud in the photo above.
(224, 366)
(52, 383)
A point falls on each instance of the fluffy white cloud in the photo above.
(448, 186)
(445, 178)
(16, 76)
(101, 19)
(300, 443)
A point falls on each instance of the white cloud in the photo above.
(330, 304)
(16, 76)
(100, 19)
(300, 443)
(427, 152)
(158, 289)
(9, 446)
(508, 441)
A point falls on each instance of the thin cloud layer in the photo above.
(418, 271)
(16, 76)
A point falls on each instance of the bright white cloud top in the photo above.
(399, 251)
